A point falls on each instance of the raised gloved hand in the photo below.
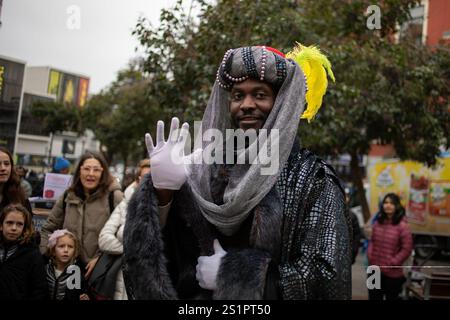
(168, 162)
(208, 267)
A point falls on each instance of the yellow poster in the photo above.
(2, 71)
(82, 91)
(440, 198)
(69, 92)
(53, 84)
(424, 192)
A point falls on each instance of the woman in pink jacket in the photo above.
(389, 247)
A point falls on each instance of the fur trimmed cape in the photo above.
(299, 242)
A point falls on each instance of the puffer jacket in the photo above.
(85, 218)
(111, 237)
(390, 246)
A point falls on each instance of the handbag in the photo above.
(102, 282)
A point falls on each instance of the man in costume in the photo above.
(226, 231)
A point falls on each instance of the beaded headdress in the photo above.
(270, 65)
(261, 63)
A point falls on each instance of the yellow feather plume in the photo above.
(315, 66)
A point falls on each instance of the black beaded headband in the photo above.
(260, 63)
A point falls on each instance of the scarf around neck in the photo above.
(246, 185)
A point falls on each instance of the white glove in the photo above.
(168, 162)
(208, 267)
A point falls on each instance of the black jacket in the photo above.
(22, 275)
(58, 288)
(299, 240)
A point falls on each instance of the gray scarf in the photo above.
(246, 185)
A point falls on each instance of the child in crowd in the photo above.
(22, 275)
(65, 273)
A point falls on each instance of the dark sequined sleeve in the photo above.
(316, 262)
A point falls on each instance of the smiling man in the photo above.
(250, 104)
(232, 232)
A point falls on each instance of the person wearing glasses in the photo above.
(85, 207)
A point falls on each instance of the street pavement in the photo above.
(359, 275)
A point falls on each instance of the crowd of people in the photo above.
(196, 230)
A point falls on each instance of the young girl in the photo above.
(22, 274)
(63, 250)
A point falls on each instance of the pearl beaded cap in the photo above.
(250, 68)
(222, 67)
(263, 63)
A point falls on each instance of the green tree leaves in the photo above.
(57, 117)
(385, 92)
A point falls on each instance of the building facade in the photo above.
(11, 90)
(35, 148)
(429, 23)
